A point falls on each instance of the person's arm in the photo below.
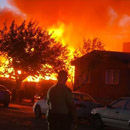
(71, 105)
(48, 96)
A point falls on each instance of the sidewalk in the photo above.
(24, 102)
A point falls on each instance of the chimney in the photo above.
(126, 47)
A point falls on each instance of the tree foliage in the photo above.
(30, 49)
(88, 46)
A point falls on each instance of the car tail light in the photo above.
(37, 97)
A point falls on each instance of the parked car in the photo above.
(39, 96)
(84, 104)
(5, 96)
(116, 114)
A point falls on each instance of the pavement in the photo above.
(25, 102)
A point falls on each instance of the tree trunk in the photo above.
(16, 95)
(18, 89)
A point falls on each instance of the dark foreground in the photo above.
(19, 117)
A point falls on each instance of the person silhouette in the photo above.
(61, 111)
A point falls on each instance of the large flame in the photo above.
(71, 21)
(57, 32)
(109, 20)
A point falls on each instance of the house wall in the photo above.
(97, 87)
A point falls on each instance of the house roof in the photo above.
(121, 56)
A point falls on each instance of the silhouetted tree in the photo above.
(30, 50)
(88, 46)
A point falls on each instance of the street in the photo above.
(19, 117)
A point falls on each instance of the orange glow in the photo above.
(58, 32)
(32, 79)
(38, 78)
(108, 20)
(72, 21)
(6, 76)
(5, 62)
(19, 72)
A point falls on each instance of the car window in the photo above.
(82, 97)
(86, 98)
(77, 97)
(119, 104)
(127, 107)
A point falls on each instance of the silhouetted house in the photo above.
(103, 74)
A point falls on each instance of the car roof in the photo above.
(3, 86)
(125, 98)
(81, 93)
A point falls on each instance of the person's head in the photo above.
(62, 76)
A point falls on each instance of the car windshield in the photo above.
(118, 104)
(83, 97)
(127, 107)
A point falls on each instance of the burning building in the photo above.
(126, 47)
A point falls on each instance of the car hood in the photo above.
(98, 110)
(92, 104)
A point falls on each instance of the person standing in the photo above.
(61, 112)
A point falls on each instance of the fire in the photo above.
(38, 78)
(80, 18)
(57, 32)
(32, 79)
(4, 63)
(19, 72)
(35, 78)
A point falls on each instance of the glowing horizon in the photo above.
(108, 20)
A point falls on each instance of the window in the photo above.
(84, 78)
(119, 104)
(127, 107)
(112, 77)
(86, 98)
(77, 97)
